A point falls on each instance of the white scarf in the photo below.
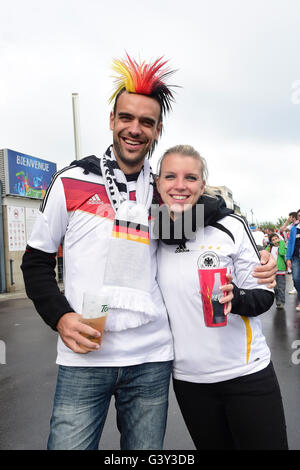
(127, 276)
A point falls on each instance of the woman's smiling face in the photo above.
(180, 183)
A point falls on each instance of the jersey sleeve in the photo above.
(39, 259)
(52, 219)
(250, 298)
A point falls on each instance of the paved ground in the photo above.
(27, 379)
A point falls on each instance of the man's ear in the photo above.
(159, 130)
(111, 121)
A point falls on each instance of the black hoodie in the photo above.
(214, 210)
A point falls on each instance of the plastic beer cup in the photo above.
(94, 311)
(211, 279)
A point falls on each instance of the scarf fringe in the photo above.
(142, 309)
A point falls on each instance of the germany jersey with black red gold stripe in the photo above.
(76, 208)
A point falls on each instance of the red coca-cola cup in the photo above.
(211, 279)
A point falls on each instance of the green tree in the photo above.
(280, 221)
(267, 224)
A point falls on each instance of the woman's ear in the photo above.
(203, 187)
(157, 183)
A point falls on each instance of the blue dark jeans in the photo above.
(82, 399)
(296, 274)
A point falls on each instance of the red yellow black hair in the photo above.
(145, 79)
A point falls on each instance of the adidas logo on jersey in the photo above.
(181, 249)
(95, 200)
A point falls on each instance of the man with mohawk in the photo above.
(100, 208)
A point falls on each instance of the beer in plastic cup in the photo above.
(94, 311)
(211, 279)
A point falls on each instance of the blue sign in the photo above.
(28, 176)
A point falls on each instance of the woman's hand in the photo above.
(227, 290)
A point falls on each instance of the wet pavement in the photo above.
(28, 377)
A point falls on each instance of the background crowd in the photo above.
(284, 244)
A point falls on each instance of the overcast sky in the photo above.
(238, 65)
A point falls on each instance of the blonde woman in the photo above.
(224, 380)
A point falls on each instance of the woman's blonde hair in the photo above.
(186, 151)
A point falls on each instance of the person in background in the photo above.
(267, 232)
(285, 229)
(293, 255)
(259, 236)
(290, 221)
(278, 249)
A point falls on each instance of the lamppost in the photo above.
(76, 124)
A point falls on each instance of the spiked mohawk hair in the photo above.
(143, 79)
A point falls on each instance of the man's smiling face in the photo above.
(135, 125)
